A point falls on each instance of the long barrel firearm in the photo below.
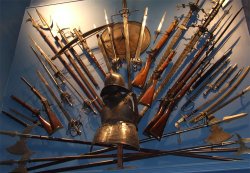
(141, 77)
(54, 121)
(46, 125)
(73, 124)
(97, 102)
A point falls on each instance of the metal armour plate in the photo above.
(118, 35)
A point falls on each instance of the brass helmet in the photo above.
(113, 82)
(119, 118)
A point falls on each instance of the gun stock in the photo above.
(46, 125)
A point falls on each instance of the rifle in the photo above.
(46, 125)
(140, 79)
(147, 97)
(73, 125)
(54, 121)
(136, 61)
(221, 79)
(88, 51)
(72, 73)
(65, 96)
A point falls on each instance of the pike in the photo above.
(190, 69)
(54, 121)
(136, 61)
(65, 96)
(158, 31)
(221, 79)
(125, 14)
(227, 118)
(73, 124)
(219, 104)
(46, 125)
(140, 79)
(116, 59)
(205, 104)
(98, 101)
(88, 51)
(58, 73)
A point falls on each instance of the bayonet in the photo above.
(136, 61)
(158, 31)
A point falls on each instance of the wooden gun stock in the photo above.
(148, 96)
(36, 112)
(141, 77)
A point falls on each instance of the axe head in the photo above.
(19, 148)
(22, 165)
(217, 135)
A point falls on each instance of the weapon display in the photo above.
(46, 125)
(136, 61)
(54, 121)
(73, 124)
(97, 102)
(140, 79)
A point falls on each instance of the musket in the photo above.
(221, 91)
(97, 102)
(54, 121)
(125, 14)
(73, 124)
(69, 57)
(57, 72)
(88, 51)
(140, 79)
(77, 57)
(178, 132)
(158, 31)
(221, 79)
(46, 125)
(147, 97)
(176, 37)
(136, 61)
(219, 103)
(13, 117)
(157, 125)
(65, 96)
(190, 69)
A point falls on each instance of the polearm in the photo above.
(65, 96)
(76, 55)
(224, 119)
(205, 104)
(54, 121)
(125, 14)
(68, 55)
(87, 103)
(136, 61)
(219, 104)
(140, 79)
(46, 125)
(190, 70)
(221, 79)
(193, 7)
(88, 51)
(73, 124)
(72, 73)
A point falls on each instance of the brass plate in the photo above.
(118, 35)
